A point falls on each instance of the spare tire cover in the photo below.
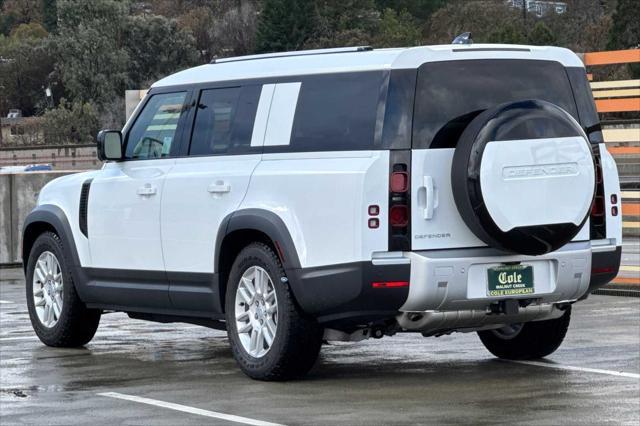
(523, 177)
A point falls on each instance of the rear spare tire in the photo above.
(523, 177)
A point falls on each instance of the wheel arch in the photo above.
(243, 227)
(46, 217)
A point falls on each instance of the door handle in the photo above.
(431, 198)
(147, 190)
(219, 187)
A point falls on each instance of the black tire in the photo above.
(77, 324)
(535, 340)
(298, 337)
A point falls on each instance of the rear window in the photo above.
(451, 94)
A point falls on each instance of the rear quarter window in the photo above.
(450, 94)
(336, 112)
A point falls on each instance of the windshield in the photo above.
(450, 94)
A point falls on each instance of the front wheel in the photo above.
(270, 337)
(530, 340)
(57, 314)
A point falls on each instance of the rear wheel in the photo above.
(57, 314)
(529, 340)
(270, 337)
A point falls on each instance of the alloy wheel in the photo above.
(256, 311)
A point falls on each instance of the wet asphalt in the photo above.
(405, 379)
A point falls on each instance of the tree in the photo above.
(91, 59)
(200, 21)
(156, 47)
(345, 23)
(420, 10)
(487, 20)
(26, 31)
(235, 29)
(71, 122)
(25, 66)
(23, 11)
(50, 15)
(541, 35)
(285, 25)
(226, 30)
(397, 29)
(625, 31)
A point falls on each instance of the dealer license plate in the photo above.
(510, 280)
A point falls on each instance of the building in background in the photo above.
(540, 7)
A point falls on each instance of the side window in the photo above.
(337, 112)
(155, 129)
(224, 121)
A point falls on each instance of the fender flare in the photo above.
(55, 217)
(266, 222)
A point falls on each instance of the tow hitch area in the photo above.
(507, 307)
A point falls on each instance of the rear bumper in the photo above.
(344, 293)
(447, 281)
(605, 265)
(456, 280)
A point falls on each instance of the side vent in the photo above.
(84, 206)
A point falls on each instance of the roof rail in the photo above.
(294, 53)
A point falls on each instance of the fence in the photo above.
(623, 142)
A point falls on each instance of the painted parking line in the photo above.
(6, 302)
(630, 268)
(9, 339)
(573, 368)
(187, 409)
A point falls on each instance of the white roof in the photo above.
(351, 60)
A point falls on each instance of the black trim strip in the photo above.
(84, 207)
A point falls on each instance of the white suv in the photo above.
(338, 195)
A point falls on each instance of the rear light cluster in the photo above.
(399, 201)
(598, 223)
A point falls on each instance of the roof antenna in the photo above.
(464, 38)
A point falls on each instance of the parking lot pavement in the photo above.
(136, 372)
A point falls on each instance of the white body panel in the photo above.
(124, 215)
(611, 187)
(281, 114)
(322, 198)
(440, 225)
(537, 181)
(64, 192)
(199, 192)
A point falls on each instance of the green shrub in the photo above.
(70, 123)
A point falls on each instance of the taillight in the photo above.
(399, 216)
(400, 200)
(597, 208)
(597, 219)
(399, 182)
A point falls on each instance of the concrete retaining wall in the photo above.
(18, 194)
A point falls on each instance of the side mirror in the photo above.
(109, 145)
